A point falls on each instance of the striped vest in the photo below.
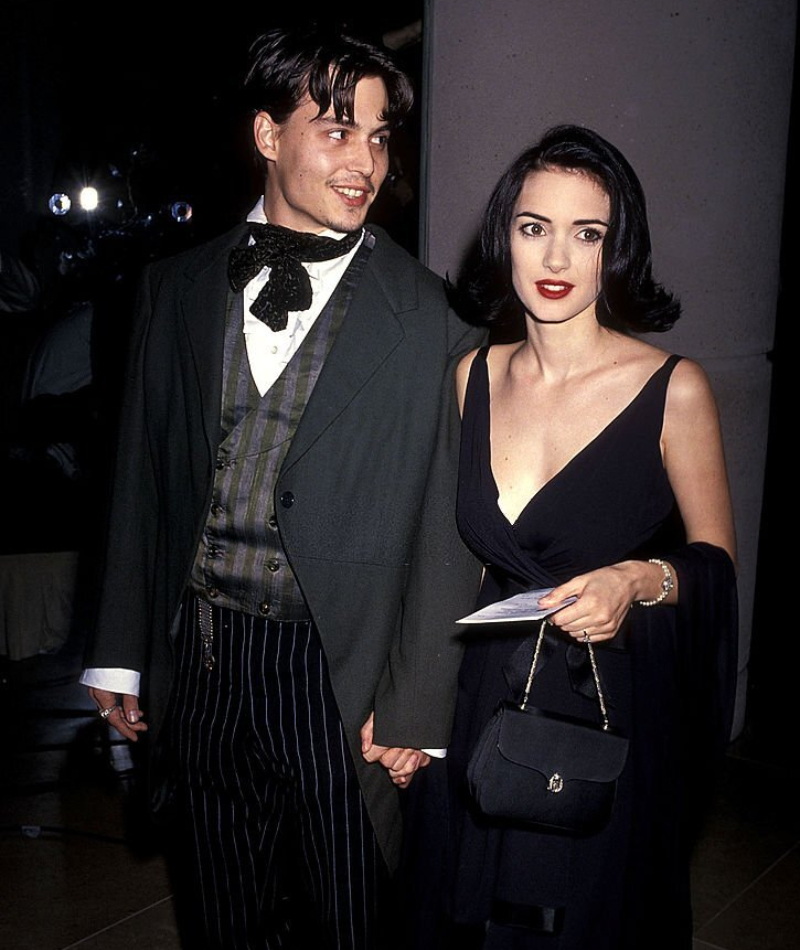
(240, 562)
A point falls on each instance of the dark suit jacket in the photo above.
(369, 487)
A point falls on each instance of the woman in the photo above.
(592, 463)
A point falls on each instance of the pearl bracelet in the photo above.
(667, 583)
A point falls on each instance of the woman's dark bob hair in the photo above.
(629, 297)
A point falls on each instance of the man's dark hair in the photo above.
(629, 297)
(286, 65)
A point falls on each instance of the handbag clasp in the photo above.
(556, 783)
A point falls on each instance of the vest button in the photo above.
(216, 510)
(272, 521)
(287, 499)
(263, 608)
(273, 565)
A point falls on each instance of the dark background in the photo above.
(82, 86)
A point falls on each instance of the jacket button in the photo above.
(273, 565)
(263, 608)
(287, 499)
(212, 591)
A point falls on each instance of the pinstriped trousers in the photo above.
(281, 850)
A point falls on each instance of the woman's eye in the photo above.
(590, 235)
(533, 229)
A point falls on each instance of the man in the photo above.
(281, 554)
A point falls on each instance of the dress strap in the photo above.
(656, 386)
(670, 363)
(477, 383)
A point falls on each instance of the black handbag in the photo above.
(543, 769)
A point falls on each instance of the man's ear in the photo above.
(265, 133)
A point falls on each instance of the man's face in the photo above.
(323, 173)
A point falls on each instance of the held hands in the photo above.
(604, 598)
(400, 763)
(125, 715)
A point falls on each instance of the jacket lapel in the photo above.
(369, 333)
(203, 303)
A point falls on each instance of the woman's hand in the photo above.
(604, 598)
(401, 764)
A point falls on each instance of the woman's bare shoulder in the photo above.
(689, 395)
(689, 389)
(629, 362)
(691, 416)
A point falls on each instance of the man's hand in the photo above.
(125, 715)
(401, 764)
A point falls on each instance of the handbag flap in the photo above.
(548, 743)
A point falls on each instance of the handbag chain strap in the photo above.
(596, 675)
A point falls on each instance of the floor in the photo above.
(80, 869)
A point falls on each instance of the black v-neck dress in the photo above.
(611, 502)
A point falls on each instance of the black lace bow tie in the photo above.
(283, 251)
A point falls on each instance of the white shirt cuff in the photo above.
(435, 753)
(113, 679)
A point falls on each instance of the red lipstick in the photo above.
(554, 289)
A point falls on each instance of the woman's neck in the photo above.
(562, 350)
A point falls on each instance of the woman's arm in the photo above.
(694, 459)
(691, 444)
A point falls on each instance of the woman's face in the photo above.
(557, 231)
